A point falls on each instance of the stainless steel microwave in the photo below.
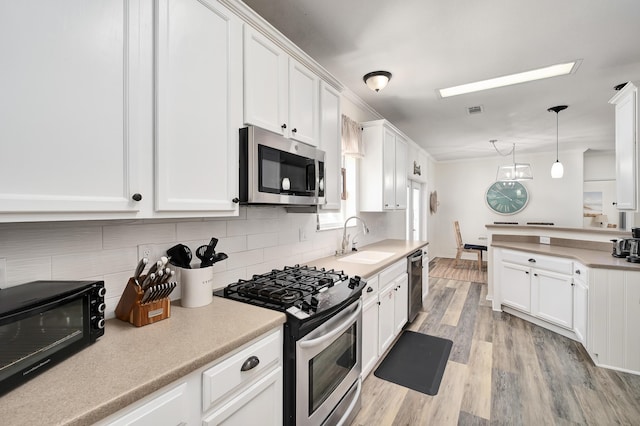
(277, 170)
(44, 322)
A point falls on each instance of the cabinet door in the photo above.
(388, 170)
(515, 286)
(401, 303)
(330, 143)
(198, 86)
(626, 152)
(580, 310)
(171, 407)
(552, 297)
(369, 335)
(260, 404)
(71, 104)
(265, 83)
(401, 174)
(632, 321)
(386, 317)
(303, 103)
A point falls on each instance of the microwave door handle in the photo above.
(337, 330)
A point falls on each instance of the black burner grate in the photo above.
(283, 288)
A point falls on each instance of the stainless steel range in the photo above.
(322, 339)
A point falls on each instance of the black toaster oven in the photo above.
(44, 322)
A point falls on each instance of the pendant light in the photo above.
(557, 169)
(377, 80)
(512, 172)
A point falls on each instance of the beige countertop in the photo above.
(128, 363)
(400, 248)
(590, 258)
(609, 232)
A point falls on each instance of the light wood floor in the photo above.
(502, 370)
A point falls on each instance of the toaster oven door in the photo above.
(35, 339)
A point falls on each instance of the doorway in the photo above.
(416, 220)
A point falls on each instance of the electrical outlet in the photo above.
(3, 273)
(545, 240)
(302, 233)
(145, 250)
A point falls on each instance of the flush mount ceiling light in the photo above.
(557, 170)
(377, 80)
(512, 172)
(508, 80)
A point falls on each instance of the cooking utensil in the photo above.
(180, 255)
(207, 252)
(148, 280)
(219, 256)
(154, 268)
(141, 265)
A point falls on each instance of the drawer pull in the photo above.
(369, 289)
(532, 260)
(251, 362)
(578, 271)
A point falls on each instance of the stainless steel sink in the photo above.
(368, 257)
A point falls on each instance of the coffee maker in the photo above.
(621, 247)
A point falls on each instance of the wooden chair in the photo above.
(469, 248)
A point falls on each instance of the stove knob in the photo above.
(354, 282)
(314, 303)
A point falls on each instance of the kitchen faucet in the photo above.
(345, 237)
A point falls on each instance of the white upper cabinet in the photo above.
(331, 144)
(383, 171)
(303, 103)
(266, 83)
(626, 104)
(280, 94)
(69, 117)
(198, 105)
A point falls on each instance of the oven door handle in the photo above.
(330, 335)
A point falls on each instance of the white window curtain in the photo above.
(352, 145)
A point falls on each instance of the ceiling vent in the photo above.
(475, 110)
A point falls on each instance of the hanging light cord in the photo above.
(513, 148)
(557, 122)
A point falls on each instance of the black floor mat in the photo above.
(416, 361)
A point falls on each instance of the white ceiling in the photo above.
(432, 44)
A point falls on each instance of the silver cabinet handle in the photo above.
(251, 362)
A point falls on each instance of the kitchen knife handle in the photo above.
(250, 363)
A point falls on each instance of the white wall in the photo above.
(260, 239)
(462, 185)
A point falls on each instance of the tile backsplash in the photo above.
(259, 239)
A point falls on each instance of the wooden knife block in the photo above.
(131, 310)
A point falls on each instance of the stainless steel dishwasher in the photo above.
(414, 269)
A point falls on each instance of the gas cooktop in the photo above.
(301, 291)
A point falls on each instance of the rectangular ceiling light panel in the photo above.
(508, 80)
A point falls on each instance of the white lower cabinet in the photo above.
(580, 302)
(245, 387)
(384, 313)
(552, 297)
(613, 317)
(170, 407)
(515, 286)
(386, 317)
(370, 326)
(401, 303)
(541, 286)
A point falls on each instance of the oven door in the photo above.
(328, 364)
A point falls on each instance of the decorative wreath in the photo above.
(433, 202)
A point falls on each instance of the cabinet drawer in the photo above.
(392, 272)
(371, 289)
(221, 379)
(539, 261)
